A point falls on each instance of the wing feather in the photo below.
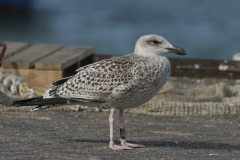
(95, 81)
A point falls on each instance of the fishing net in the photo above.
(179, 97)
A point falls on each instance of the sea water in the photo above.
(205, 29)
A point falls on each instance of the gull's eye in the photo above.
(155, 42)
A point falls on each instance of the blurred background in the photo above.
(205, 29)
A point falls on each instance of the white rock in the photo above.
(196, 66)
(236, 57)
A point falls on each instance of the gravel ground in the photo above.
(85, 135)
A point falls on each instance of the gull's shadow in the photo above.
(179, 144)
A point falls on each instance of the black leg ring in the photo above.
(122, 133)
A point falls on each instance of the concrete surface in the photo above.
(85, 135)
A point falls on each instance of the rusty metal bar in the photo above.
(199, 68)
(4, 47)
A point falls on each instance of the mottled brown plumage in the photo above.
(121, 82)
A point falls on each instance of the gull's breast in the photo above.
(149, 77)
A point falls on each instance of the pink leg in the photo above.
(111, 144)
(123, 141)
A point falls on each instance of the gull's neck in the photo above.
(149, 55)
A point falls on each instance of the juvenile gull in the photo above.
(117, 83)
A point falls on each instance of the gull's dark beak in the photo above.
(176, 50)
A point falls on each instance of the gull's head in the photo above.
(155, 45)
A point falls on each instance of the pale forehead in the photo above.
(151, 37)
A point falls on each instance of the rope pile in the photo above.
(14, 88)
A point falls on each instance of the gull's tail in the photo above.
(42, 103)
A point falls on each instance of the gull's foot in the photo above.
(116, 147)
(125, 144)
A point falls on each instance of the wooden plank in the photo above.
(39, 78)
(71, 70)
(65, 58)
(14, 48)
(27, 58)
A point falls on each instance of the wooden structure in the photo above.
(42, 64)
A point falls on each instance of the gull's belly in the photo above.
(140, 95)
